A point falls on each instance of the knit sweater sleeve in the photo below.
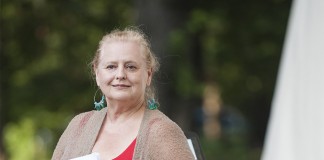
(66, 138)
(167, 141)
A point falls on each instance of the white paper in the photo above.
(192, 148)
(92, 156)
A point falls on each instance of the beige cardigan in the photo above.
(158, 138)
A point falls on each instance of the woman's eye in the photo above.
(131, 67)
(110, 67)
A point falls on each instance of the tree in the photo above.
(46, 46)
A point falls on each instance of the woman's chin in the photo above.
(120, 97)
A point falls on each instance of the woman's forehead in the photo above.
(122, 50)
(121, 45)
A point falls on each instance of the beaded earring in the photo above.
(152, 105)
(99, 105)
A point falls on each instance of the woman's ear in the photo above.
(96, 74)
(149, 76)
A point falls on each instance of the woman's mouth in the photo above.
(120, 86)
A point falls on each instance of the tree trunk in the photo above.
(2, 109)
(157, 18)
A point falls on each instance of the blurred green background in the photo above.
(219, 64)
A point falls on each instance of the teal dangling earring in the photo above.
(152, 105)
(101, 104)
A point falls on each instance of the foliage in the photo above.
(46, 48)
(235, 44)
(19, 138)
(234, 148)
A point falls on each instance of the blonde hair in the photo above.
(135, 35)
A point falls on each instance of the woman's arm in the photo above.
(167, 141)
(67, 136)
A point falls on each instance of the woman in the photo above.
(130, 127)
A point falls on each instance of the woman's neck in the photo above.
(120, 112)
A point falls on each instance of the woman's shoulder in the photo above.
(158, 116)
(80, 126)
(83, 118)
(167, 135)
(162, 124)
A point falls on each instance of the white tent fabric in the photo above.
(296, 124)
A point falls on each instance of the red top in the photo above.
(128, 153)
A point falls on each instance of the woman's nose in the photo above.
(120, 75)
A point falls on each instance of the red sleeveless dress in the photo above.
(128, 153)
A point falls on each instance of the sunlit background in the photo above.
(219, 62)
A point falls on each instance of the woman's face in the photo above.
(122, 73)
